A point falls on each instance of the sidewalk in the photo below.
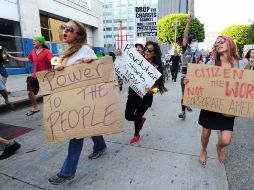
(166, 158)
(16, 85)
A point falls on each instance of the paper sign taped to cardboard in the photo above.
(135, 70)
(224, 90)
(85, 105)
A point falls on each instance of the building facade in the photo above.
(21, 20)
(117, 13)
(166, 7)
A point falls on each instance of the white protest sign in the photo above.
(146, 21)
(135, 70)
(246, 48)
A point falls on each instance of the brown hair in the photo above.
(231, 52)
(78, 43)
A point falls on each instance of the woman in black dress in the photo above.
(225, 56)
(137, 106)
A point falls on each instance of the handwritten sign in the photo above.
(81, 101)
(246, 48)
(146, 21)
(223, 90)
(135, 70)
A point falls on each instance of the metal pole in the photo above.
(176, 23)
(121, 35)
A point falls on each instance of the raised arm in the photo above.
(186, 31)
(23, 59)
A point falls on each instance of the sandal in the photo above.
(31, 112)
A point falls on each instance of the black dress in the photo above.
(215, 121)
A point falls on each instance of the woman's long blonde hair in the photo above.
(82, 40)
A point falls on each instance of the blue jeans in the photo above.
(75, 147)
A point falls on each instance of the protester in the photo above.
(120, 81)
(140, 48)
(249, 60)
(40, 56)
(10, 147)
(4, 93)
(176, 60)
(209, 57)
(74, 34)
(190, 54)
(136, 106)
(3, 71)
(225, 56)
(200, 61)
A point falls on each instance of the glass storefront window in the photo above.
(50, 29)
(11, 41)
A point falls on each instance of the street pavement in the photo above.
(165, 158)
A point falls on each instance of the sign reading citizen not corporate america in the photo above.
(146, 21)
(135, 70)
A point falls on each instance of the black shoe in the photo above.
(59, 179)
(182, 115)
(189, 109)
(10, 150)
(10, 106)
(97, 154)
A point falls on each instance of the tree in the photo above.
(242, 34)
(252, 27)
(172, 26)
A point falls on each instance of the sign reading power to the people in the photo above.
(81, 101)
(146, 21)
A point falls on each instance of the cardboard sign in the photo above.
(223, 90)
(81, 101)
(146, 21)
(135, 70)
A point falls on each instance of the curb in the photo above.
(19, 104)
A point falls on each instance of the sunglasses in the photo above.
(150, 50)
(67, 28)
(222, 41)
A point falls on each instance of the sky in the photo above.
(219, 14)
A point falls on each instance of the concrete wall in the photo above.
(7, 7)
(70, 10)
(29, 18)
(98, 32)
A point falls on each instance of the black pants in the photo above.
(136, 108)
(182, 87)
(174, 72)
